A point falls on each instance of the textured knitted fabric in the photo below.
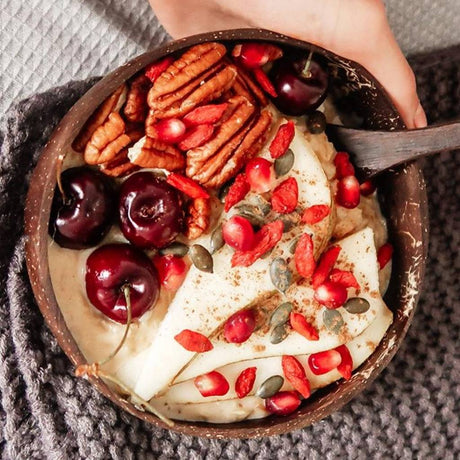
(410, 411)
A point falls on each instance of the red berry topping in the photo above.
(304, 257)
(285, 196)
(193, 341)
(325, 265)
(282, 403)
(264, 82)
(237, 191)
(295, 374)
(367, 188)
(212, 384)
(206, 114)
(345, 278)
(186, 185)
(315, 213)
(384, 254)
(153, 71)
(348, 194)
(171, 271)
(324, 361)
(256, 54)
(331, 295)
(238, 233)
(196, 136)
(239, 327)
(266, 239)
(245, 382)
(302, 326)
(170, 130)
(343, 166)
(260, 174)
(346, 365)
(282, 139)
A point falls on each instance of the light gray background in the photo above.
(44, 43)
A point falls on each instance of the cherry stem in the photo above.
(306, 70)
(59, 163)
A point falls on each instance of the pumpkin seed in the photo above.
(279, 333)
(270, 387)
(284, 163)
(217, 240)
(293, 245)
(223, 191)
(357, 305)
(176, 249)
(201, 258)
(266, 254)
(280, 274)
(316, 122)
(251, 212)
(333, 320)
(281, 314)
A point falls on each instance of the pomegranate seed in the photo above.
(346, 365)
(282, 139)
(282, 403)
(285, 196)
(256, 54)
(384, 254)
(171, 271)
(303, 327)
(264, 82)
(196, 136)
(239, 327)
(295, 374)
(346, 279)
(325, 265)
(153, 71)
(260, 174)
(315, 213)
(245, 382)
(367, 188)
(237, 191)
(186, 185)
(193, 341)
(343, 166)
(348, 193)
(238, 233)
(170, 130)
(206, 114)
(324, 361)
(212, 384)
(304, 257)
(331, 295)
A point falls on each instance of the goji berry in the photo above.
(282, 139)
(196, 136)
(186, 185)
(304, 257)
(153, 71)
(315, 213)
(345, 278)
(325, 265)
(264, 82)
(237, 191)
(285, 196)
(302, 326)
(206, 114)
(245, 382)
(295, 374)
(193, 341)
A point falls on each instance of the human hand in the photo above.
(355, 29)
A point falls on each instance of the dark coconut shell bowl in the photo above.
(403, 199)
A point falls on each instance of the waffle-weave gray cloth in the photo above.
(410, 411)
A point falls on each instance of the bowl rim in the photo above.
(39, 198)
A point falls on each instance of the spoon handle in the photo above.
(376, 151)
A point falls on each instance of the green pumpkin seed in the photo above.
(357, 305)
(284, 163)
(293, 245)
(289, 221)
(266, 254)
(281, 314)
(279, 333)
(316, 122)
(252, 213)
(217, 240)
(223, 192)
(201, 258)
(176, 249)
(270, 387)
(333, 320)
(280, 274)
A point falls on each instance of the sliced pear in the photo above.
(357, 254)
(205, 300)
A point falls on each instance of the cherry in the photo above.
(238, 233)
(301, 88)
(150, 211)
(109, 269)
(84, 215)
(239, 327)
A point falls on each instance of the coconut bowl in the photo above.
(403, 200)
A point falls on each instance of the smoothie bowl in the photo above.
(202, 252)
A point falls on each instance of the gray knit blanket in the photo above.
(410, 411)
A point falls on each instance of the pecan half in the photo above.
(197, 217)
(245, 85)
(107, 141)
(136, 107)
(153, 153)
(98, 117)
(119, 166)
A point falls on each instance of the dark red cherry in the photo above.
(85, 216)
(300, 89)
(109, 269)
(151, 214)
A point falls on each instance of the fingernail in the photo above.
(420, 117)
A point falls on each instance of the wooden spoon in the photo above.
(376, 151)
